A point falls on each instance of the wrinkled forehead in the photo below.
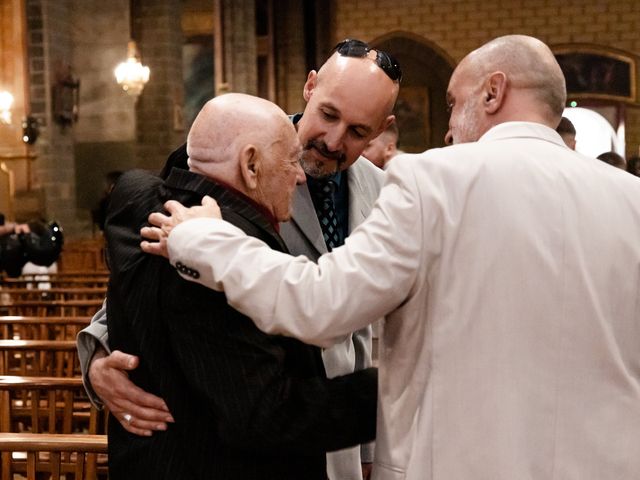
(286, 138)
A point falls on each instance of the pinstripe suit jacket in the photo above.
(247, 405)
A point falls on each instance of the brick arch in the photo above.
(421, 108)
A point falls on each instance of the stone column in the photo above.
(159, 123)
(50, 47)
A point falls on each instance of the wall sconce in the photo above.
(6, 102)
(131, 74)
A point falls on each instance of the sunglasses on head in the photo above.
(359, 49)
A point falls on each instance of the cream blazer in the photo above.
(509, 273)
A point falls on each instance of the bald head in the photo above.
(228, 123)
(354, 73)
(511, 78)
(349, 102)
(249, 144)
(529, 64)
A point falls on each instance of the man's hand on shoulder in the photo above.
(161, 225)
(137, 411)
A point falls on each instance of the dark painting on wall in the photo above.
(412, 118)
(197, 72)
(598, 75)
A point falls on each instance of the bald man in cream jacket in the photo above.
(508, 269)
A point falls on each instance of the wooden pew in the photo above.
(47, 405)
(8, 295)
(55, 454)
(51, 308)
(90, 278)
(39, 358)
(100, 281)
(71, 273)
(14, 327)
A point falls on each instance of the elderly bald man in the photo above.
(506, 353)
(246, 405)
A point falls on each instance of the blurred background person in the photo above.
(384, 147)
(12, 227)
(613, 159)
(568, 132)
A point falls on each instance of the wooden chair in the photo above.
(46, 453)
(39, 358)
(41, 328)
(47, 405)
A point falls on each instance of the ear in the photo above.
(495, 91)
(388, 150)
(249, 166)
(383, 126)
(310, 84)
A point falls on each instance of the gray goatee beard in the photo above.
(318, 168)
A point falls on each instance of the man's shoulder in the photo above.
(137, 179)
(254, 229)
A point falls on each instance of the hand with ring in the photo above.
(126, 401)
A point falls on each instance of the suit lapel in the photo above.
(304, 216)
(359, 196)
(305, 219)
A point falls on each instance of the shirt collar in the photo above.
(522, 130)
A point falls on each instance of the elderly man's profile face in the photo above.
(281, 174)
(465, 107)
(343, 114)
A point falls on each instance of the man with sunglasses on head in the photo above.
(349, 102)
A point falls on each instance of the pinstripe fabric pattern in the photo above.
(247, 405)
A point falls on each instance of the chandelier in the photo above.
(131, 74)
(6, 101)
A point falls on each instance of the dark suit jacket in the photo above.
(247, 405)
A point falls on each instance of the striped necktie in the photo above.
(326, 212)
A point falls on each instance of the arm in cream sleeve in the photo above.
(364, 279)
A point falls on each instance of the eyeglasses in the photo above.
(360, 49)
